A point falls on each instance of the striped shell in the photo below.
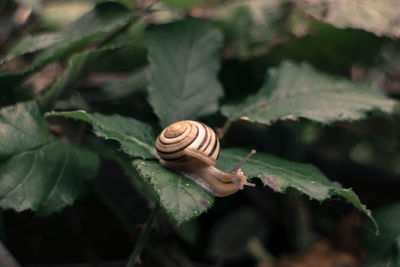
(188, 140)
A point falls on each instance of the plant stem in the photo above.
(77, 68)
(116, 32)
(144, 235)
(225, 128)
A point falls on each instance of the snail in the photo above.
(191, 148)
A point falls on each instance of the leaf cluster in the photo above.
(287, 78)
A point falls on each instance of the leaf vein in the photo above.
(25, 179)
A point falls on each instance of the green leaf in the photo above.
(21, 128)
(34, 43)
(185, 4)
(102, 19)
(47, 178)
(180, 197)
(136, 138)
(92, 28)
(280, 174)
(378, 17)
(35, 172)
(379, 246)
(183, 70)
(184, 199)
(293, 91)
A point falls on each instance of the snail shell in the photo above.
(191, 148)
(185, 139)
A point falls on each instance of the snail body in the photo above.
(191, 148)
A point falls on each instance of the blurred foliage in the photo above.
(312, 85)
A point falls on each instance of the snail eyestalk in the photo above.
(237, 167)
(239, 179)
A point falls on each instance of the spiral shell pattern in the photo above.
(187, 140)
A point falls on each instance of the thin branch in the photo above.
(144, 236)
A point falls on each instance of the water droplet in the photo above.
(195, 212)
(187, 184)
